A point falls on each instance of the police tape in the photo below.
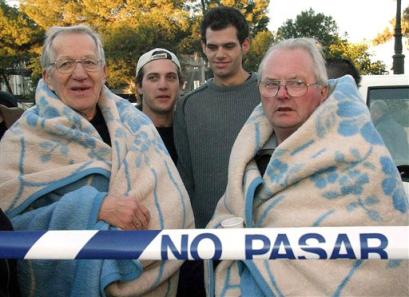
(377, 242)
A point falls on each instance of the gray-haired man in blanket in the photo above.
(329, 168)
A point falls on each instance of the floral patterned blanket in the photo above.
(55, 172)
(333, 171)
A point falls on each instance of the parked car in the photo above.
(387, 97)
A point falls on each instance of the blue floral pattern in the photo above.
(58, 164)
(333, 171)
(277, 171)
(390, 185)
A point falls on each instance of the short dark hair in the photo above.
(337, 67)
(221, 17)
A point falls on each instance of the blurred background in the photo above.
(360, 30)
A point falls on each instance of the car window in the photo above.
(389, 108)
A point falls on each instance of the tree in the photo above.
(259, 45)
(325, 30)
(358, 54)
(388, 32)
(20, 40)
(128, 28)
(310, 24)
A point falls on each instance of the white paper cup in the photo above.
(234, 222)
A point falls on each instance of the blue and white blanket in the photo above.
(333, 171)
(55, 172)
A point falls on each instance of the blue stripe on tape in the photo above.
(16, 244)
(117, 245)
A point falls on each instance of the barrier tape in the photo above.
(389, 242)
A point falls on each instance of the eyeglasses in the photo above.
(294, 87)
(68, 65)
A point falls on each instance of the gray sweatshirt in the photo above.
(207, 122)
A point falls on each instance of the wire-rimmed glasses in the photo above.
(294, 87)
(67, 65)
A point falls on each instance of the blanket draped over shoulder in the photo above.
(333, 171)
(55, 172)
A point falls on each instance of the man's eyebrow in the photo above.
(295, 77)
(83, 57)
(221, 44)
(266, 77)
(157, 73)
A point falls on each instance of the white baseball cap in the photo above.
(156, 54)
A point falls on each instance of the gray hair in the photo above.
(48, 53)
(311, 46)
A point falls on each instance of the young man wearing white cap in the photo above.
(158, 83)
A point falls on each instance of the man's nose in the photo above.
(220, 52)
(162, 83)
(79, 71)
(282, 91)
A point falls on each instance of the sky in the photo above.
(361, 19)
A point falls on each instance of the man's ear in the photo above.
(45, 76)
(139, 89)
(203, 47)
(105, 73)
(324, 93)
(47, 79)
(245, 46)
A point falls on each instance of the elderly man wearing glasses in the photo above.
(327, 167)
(84, 158)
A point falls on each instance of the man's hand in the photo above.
(125, 213)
